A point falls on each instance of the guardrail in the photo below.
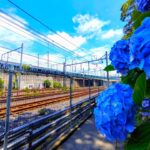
(44, 133)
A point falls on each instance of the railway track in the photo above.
(44, 94)
(18, 109)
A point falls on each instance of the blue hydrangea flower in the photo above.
(114, 113)
(142, 5)
(140, 47)
(146, 103)
(119, 56)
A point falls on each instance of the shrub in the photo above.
(65, 89)
(57, 85)
(35, 93)
(47, 84)
(2, 91)
(42, 111)
(1, 84)
(27, 90)
(26, 67)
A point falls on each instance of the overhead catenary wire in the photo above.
(50, 40)
(6, 48)
(43, 24)
(35, 33)
(39, 35)
(43, 38)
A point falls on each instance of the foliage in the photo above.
(131, 77)
(57, 85)
(109, 68)
(65, 89)
(114, 114)
(35, 93)
(129, 10)
(1, 83)
(47, 84)
(2, 91)
(125, 7)
(140, 138)
(27, 90)
(26, 67)
(42, 111)
(139, 89)
(15, 81)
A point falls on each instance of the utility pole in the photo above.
(89, 80)
(21, 58)
(64, 70)
(7, 57)
(107, 71)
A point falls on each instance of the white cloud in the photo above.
(112, 33)
(96, 52)
(67, 41)
(89, 25)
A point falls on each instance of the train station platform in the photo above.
(88, 138)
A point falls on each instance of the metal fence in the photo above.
(19, 109)
(43, 133)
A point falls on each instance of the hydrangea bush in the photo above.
(114, 114)
(119, 108)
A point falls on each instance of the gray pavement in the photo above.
(88, 138)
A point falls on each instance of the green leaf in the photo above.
(109, 68)
(139, 89)
(140, 138)
(147, 94)
(131, 77)
(138, 18)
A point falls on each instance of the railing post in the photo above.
(89, 89)
(8, 108)
(21, 58)
(71, 102)
(64, 70)
(30, 140)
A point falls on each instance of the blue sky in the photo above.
(93, 25)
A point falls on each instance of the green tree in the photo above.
(47, 84)
(26, 67)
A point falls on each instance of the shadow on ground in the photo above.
(87, 138)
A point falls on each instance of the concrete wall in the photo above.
(36, 81)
